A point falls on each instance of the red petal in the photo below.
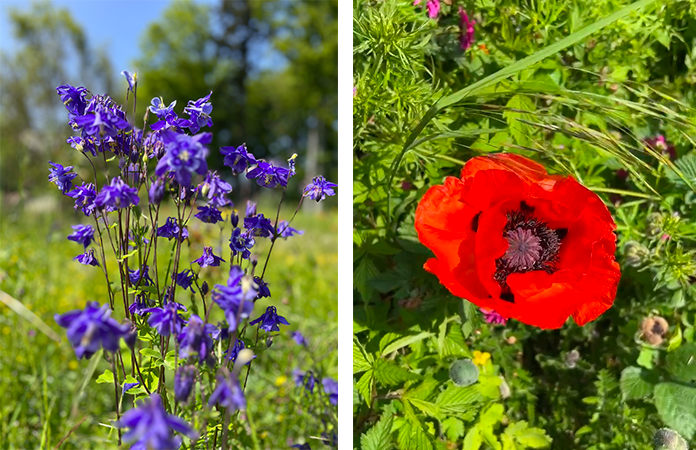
(525, 168)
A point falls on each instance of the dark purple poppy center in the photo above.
(532, 245)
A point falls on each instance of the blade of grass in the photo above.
(25, 313)
(508, 71)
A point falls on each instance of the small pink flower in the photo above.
(660, 143)
(466, 36)
(355, 91)
(433, 8)
(493, 317)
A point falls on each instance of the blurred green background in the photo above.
(272, 69)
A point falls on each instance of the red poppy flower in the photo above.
(510, 237)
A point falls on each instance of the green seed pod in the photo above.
(666, 439)
(464, 372)
(653, 226)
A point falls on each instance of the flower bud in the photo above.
(653, 225)
(131, 336)
(571, 359)
(156, 193)
(635, 253)
(183, 382)
(654, 330)
(235, 218)
(204, 288)
(666, 439)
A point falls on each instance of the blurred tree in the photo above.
(272, 67)
(51, 45)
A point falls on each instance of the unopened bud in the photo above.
(156, 193)
(653, 225)
(635, 253)
(204, 288)
(571, 359)
(234, 218)
(654, 329)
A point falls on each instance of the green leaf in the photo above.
(491, 415)
(364, 386)
(378, 437)
(106, 377)
(455, 400)
(412, 437)
(532, 437)
(428, 408)
(676, 340)
(360, 363)
(365, 272)
(646, 357)
(473, 439)
(519, 130)
(405, 341)
(634, 385)
(463, 372)
(150, 353)
(676, 405)
(681, 363)
(389, 374)
(453, 428)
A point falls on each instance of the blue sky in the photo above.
(115, 24)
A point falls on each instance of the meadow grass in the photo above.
(46, 391)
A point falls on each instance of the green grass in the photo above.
(46, 391)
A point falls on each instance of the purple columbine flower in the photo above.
(193, 340)
(270, 320)
(84, 234)
(241, 243)
(250, 209)
(258, 225)
(284, 230)
(140, 305)
(140, 276)
(162, 112)
(73, 98)
(234, 302)
(319, 188)
(199, 113)
(82, 145)
(331, 389)
(151, 427)
(262, 288)
(92, 328)
(216, 189)
(208, 258)
(234, 351)
(268, 175)
(305, 379)
(166, 319)
(466, 33)
(101, 118)
(228, 393)
(493, 317)
(131, 78)
(209, 214)
(156, 192)
(184, 378)
(185, 279)
(84, 197)
(87, 258)
(299, 338)
(61, 176)
(304, 446)
(171, 229)
(238, 159)
(184, 155)
(117, 195)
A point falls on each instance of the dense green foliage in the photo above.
(584, 109)
(46, 391)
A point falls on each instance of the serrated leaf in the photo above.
(412, 437)
(405, 341)
(378, 437)
(529, 437)
(676, 405)
(362, 274)
(364, 386)
(427, 408)
(389, 374)
(360, 362)
(424, 389)
(681, 363)
(491, 415)
(456, 400)
(634, 385)
(106, 377)
(453, 428)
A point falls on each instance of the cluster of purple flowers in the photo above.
(178, 152)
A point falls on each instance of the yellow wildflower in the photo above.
(481, 358)
(281, 380)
